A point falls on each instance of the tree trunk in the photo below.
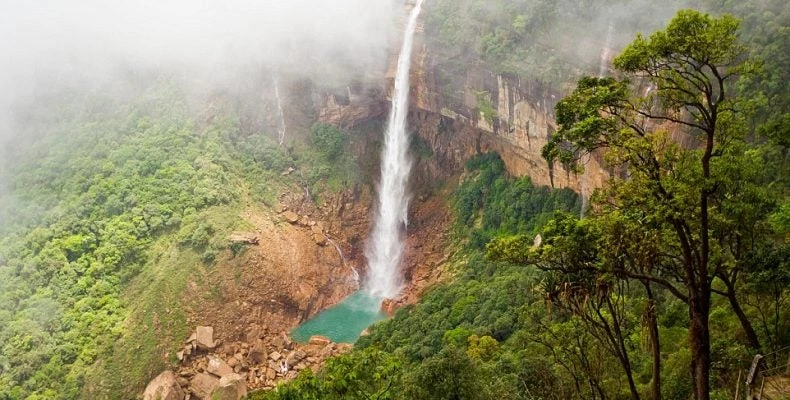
(751, 335)
(699, 340)
(655, 344)
(615, 336)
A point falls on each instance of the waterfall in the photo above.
(606, 52)
(280, 114)
(343, 259)
(385, 248)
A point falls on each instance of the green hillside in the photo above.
(111, 205)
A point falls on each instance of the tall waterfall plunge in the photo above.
(385, 248)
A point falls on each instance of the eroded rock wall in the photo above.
(462, 116)
(482, 111)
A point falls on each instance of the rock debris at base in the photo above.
(212, 369)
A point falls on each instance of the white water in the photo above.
(280, 114)
(385, 249)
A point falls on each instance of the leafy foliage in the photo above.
(98, 194)
(501, 205)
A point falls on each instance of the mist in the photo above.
(92, 44)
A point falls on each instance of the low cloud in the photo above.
(47, 45)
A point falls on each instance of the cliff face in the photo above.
(480, 111)
(458, 116)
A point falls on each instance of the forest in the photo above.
(107, 224)
(665, 284)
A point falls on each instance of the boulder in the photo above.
(287, 171)
(228, 349)
(286, 340)
(291, 217)
(231, 387)
(244, 238)
(164, 387)
(389, 306)
(313, 350)
(202, 385)
(188, 373)
(218, 367)
(295, 357)
(344, 348)
(319, 239)
(257, 354)
(317, 229)
(278, 342)
(275, 355)
(319, 340)
(205, 337)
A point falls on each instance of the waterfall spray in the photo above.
(280, 114)
(385, 249)
(606, 52)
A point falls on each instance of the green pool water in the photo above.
(343, 322)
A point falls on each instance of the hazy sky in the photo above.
(49, 43)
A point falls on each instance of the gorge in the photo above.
(398, 200)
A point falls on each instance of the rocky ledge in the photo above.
(227, 371)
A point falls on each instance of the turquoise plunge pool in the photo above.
(343, 322)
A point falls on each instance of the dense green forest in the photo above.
(677, 276)
(111, 205)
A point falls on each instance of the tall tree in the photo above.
(673, 189)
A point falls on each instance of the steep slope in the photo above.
(118, 238)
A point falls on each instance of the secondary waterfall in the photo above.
(606, 52)
(280, 114)
(343, 259)
(385, 248)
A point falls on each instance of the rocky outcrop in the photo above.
(483, 111)
(230, 387)
(359, 103)
(230, 370)
(164, 387)
(202, 385)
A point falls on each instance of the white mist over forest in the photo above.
(48, 45)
